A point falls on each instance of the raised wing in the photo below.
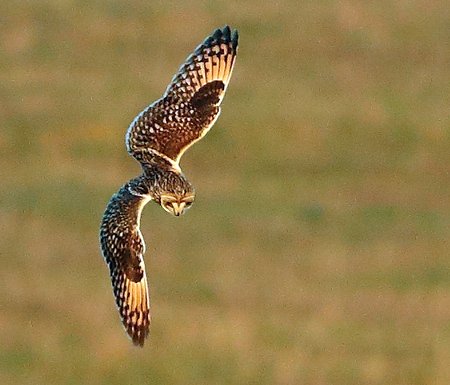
(123, 249)
(190, 105)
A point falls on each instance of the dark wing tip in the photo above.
(208, 42)
(225, 35)
(138, 333)
(235, 38)
(217, 34)
(138, 340)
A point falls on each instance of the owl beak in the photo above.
(178, 208)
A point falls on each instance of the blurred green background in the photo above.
(317, 251)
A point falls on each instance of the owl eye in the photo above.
(188, 203)
(167, 205)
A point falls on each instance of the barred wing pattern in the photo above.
(123, 249)
(190, 105)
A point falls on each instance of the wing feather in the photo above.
(123, 248)
(173, 123)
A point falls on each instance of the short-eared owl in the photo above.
(157, 138)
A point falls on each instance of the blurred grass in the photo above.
(317, 251)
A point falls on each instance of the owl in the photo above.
(157, 139)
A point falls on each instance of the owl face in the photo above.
(176, 204)
(172, 190)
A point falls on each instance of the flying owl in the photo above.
(157, 138)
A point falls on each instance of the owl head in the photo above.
(175, 193)
(176, 204)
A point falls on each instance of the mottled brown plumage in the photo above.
(190, 104)
(157, 139)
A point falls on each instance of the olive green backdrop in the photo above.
(317, 251)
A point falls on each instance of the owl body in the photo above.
(157, 138)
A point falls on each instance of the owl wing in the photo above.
(123, 249)
(190, 105)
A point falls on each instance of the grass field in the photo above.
(317, 251)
